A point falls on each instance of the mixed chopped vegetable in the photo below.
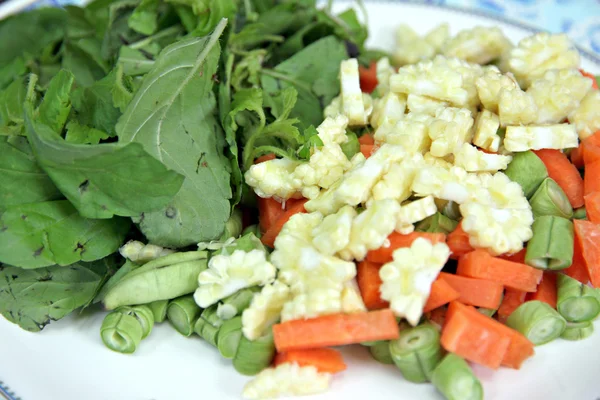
(252, 173)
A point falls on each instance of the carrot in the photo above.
(480, 264)
(441, 293)
(472, 338)
(591, 148)
(578, 270)
(564, 173)
(366, 139)
(592, 178)
(264, 158)
(368, 77)
(588, 235)
(592, 207)
(437, 316)
(335, 330)
(367, 149)
(325, 360)
(546, 290)
(577, 157)
(397, 240)
(268, 239)
(517, 257)
(510, 302)
(369, 282)
(269, 211)
(592, 77)
(458, 242)
(476, 292)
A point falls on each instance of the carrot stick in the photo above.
(369, 282)
(269, 211)
(510, 302)
(367, 149)
(397, 240)
(592, 178)
(441, 293)
(591, 148)
(366, 139)
(588, 235)
(325, 359)
(564, 173)
(476, 292)
(480, 264)
(592, 207)
(472, 338)
(578, 269)
(268, 239)
(546, 290)
(577, 157)
(517, 257)
(264, 158)
(592, 77)
(335, 330)
(458, 242)
(368, 77)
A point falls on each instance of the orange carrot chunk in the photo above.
(517, 257)
(437, 316)
(325, 359)
(458, 242)
(366, 139)
(266, 157)
(591, 148)
(588, 235)
(510, 302)
(476, 292)
(441, 293)
(398, 240)
(546, 290)
(564, 173)
(578, 269)
(592, 207)
(367, 149)
(369, 282)
(368, 77)
(577, 157)
(335, 330)
(268, 239)
(480, 264)
(269, 211)
(592, 178)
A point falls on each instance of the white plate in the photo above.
(68, 361)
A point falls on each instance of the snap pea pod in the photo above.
(437, 223)
(551, 246)
(455, 380)
(123, 329)
(528, 170)
(183, 312)
(580, 213)
(159, 310)
(254, 356)
(550, 199)
(576, 302)
(539, 322)
(578, 331)
(164, 278)
(380, 351)
(416, 352)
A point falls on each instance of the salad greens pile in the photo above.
(135, 119)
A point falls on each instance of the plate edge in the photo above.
(6, 393)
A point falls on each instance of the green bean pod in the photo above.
(551, 247)
(206, 331)
(550, 199)
(233, 226)
(246, 243)
(183, 312)
(416, 352)
(254, 229)
(539, 322)
(488, 312)
(351, 146)
(159, 309)
(123, 329)
(578, 331)
(453, 378)
(528, 170)
(254, 356)
(576, 302)
(380, 351)
(229, 336)
(580, 213)
(437, 223)
(451, 210)
(164, 278)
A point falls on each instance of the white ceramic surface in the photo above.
(68, 361)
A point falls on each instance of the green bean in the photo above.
(233, 226)
(578, 331)
(351, 146)
(576, 302)
(551, 246)
(183, 312)
(580, 213)
(236, 303)
(159, 309)
(254, 356)
(123, 329)
(539, 322)
(455, 380)
(254, 229)
(528, 171)
(206, 331)
(229, 336)
(416, 352)
(488, 312)
(164, 278)
(246, 243)
(438, 222)
(369, 344)
(550, 199)
(451, 210)
(113, 280)
(380, 351)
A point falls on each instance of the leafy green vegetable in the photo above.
(33, 298)
(82, 134)
(144, 17)
(56, 106)
(173, 115)
(11, 107)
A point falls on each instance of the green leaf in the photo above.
(11, 103)
(56, 106)
(117, 27)
(246, 72)
(12, 71)
(173, 115)
(21, 179)
(33, 298)
(38, 235)
(312, 139)
(134, 62)
(122, 91)
(83, 59)
(144, 17)
(77, 133)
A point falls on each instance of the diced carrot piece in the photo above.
(480, 264)
(517, 257)
(325, 359)
(366, 139)
(458, 242)
(269, 211)
(264, 158)
(368, 77)
(476, 292)
(369, 282)
(588, 236)
(591, 153)
(268, 239)
(564, 173)
(437, 316)
(397, 240)
(546, 290)
(441, 293)
(592, 207)
(592, 178)
(367, 149)
(335, 330)
(578, 269)
(577, 157)
(510, 302)
(592, 77)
